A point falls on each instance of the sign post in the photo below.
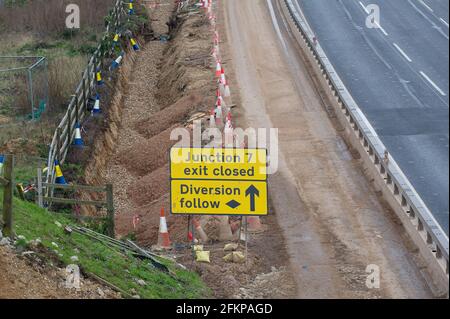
(212, 181)
(219, 181)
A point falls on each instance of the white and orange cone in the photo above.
(212, 119)
(225, 232)
(254, 224)
(163, 239)
(199, 230)
(227, 92)
(218, 69)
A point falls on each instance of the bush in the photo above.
(64, 75)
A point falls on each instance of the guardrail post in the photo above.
(110, 210)
(8, 174)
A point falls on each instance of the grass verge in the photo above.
(122, 270)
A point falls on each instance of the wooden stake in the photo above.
(8, 174)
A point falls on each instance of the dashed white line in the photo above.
(376, 23)
(444, 22)
(402, 52)
(433, 84)
(426, 5)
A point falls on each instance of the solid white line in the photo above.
(444, 22)
(433, 84)
(402, 52)
(364, 7)
(426, 5)
(376, 23)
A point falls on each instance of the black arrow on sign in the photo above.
(252, 191)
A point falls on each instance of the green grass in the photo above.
(109, 264)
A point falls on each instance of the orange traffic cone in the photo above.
(199, 230)
(224, 228)
(163, 239)
(218, 69)
(254, 224)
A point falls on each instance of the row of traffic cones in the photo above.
(96, 109)
(220, 117)
(223, 118)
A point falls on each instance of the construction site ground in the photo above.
(24, 276)
(332, 219)
(326, 223)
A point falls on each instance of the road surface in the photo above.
(398, 74)
(332, 220)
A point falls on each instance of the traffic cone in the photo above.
(225, 229)
(218, 69)
(134, 44)
(227, 92)
(254, 224)
(96, 110)
(2, 160)
(115, 64)
(98, 76)
(163, 239)
(116, 39)
(219, 114)
(59, 175)
(78, 141)
(212, 119)
(222, 76)
(229, 134)
(199, 230)
(130, 8)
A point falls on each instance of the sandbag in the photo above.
(202, 256)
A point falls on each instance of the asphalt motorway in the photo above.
(398, 73)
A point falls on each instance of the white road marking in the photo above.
(376, 23)
(433, 84)
(364, 7)
(444, 22)
(426, 5)
(402, 52)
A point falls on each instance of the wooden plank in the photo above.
(74, 201)
(69, 123)
(110, 209)
(58, 144)
(77, 187)
(8, 191)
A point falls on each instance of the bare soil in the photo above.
(23, 277)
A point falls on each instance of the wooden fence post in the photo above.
(110, 210)
(8, 192)
(40, 195)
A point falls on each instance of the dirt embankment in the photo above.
(25, 276)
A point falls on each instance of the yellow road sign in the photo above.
(218, 164)
(209, 197)
(211, 181)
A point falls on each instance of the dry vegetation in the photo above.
(47, 17)
(37, 28)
